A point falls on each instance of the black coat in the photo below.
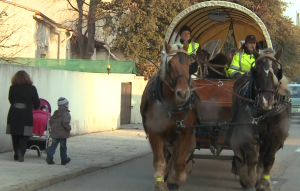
(20, 117)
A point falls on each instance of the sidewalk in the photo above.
(89, 153)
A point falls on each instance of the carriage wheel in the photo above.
(39, 153)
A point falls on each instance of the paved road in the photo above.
(212, 175)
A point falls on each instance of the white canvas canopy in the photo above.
(211, 21)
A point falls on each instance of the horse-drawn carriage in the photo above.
(181, 113)
(210, 22)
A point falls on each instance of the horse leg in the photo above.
(191, 150)
(247, 172)
(260, 168)
(159, 162)
(178, 171)
(264, 183)
(246, 156)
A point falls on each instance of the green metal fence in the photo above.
(93, 66)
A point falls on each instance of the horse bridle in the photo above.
(260, 90)
(181, 61)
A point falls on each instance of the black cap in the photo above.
(185, 28)
(250, 38)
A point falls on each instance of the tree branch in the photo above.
(72, 6)
(83, 1)
(10, 46)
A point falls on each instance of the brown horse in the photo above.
(167, 106)
(213, 68)
(263, 122)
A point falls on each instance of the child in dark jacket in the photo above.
(60, 131)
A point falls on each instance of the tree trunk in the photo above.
(80, 39)
(91, 28)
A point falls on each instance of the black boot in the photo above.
(50, 161)
(20, 156)
(16, 156)
(64, 162)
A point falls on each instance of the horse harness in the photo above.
(156, 96)
(257, 114)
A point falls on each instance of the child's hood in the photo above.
(60, 112)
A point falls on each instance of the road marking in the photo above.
(298, 150)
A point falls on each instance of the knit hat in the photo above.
(62, 102)
(185, 28)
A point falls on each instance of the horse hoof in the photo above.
(173, 187)
(264, 185)
(160, 186)
(245, 186)
(242, 184)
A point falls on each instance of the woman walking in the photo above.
(22, 96)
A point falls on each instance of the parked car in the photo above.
(295, 97)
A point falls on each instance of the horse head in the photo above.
(202, 55)
(174, 70)
(266, 75)
(220, 59)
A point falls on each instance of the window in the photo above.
(212, 47)
(43, 50)
(294, 91)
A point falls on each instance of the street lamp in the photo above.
(108, 65)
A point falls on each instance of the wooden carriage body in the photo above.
(216, 100)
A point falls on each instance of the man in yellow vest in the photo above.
(185, 35)
(242, 61)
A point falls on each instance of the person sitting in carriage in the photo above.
(241, 62)
(185, 35)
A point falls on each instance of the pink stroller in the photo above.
(39, 140)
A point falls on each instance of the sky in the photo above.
(291, 11)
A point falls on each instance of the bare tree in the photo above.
(88, 17)
(13, 34)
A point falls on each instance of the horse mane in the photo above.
(220, 59)
(162, 69)
(283, 84)
(284, 87)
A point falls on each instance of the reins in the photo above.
(211, 66)
(220, 84)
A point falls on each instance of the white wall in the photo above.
(94, 98)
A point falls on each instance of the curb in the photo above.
(54, 179)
